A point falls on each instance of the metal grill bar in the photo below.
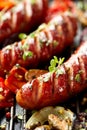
(24, 118)
(77, 106)
(12, 116)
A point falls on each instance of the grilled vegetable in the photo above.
(6, 96)
(22, 17)
(68, 80)
(16, 78)
(48, 40)
(46, 115)
(19, 76)
(6, 4)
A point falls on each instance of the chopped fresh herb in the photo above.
(55, 43)
(27, 54)
(78, 77)
(33, 1)
(25, 46)
(41, 27)
(54, 62)
(86, 111)
(32, 35)
(51, 68)
(61, 60)
(22, 36)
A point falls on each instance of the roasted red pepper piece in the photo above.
(15, 78)
(6, 4)
(18, 76)
(6, 96)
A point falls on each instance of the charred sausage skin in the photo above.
(48, 40)
(53, 88)
(22, 17)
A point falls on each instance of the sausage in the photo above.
(52, 88)
(22, 17)
(48, 40)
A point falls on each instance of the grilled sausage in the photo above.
(22, 17)
(69, 79)
(48, 40)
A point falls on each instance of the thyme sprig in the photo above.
(54, 63)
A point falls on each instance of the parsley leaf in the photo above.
(22, 36)
(27, 54)
(54, 63)
(33, 1)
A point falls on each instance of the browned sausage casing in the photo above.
(53, 88)
(22, 17)
(48, 40)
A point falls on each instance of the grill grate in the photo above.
(14, 124)
(19, 124)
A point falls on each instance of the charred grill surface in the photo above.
(16, 117)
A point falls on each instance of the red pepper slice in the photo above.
(6, 4)
(6, 96)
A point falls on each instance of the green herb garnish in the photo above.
(54, 63)
(33, 1)
(25, 46)
(78, 77)
(55, 43)
(22, 36)
(41, 27)
(32, 35)
(27, 54)
(86, 110)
